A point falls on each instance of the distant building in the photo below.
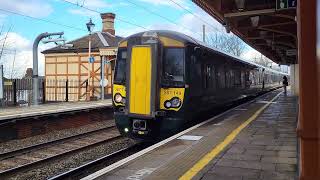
(71, 63)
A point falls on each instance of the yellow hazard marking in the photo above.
(169, 42)
(217, 149)
(123, 44)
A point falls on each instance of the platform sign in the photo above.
(1, 82)
(285, 4)
(291, 52)
(292, 3)
(91, 59)
(7, 83)
(104, 82)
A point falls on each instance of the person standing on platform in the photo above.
(285, 84)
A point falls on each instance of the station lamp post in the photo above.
(90, 26)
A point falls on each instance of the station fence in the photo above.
(18, 92)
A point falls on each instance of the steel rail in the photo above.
(26, 166)
(42, 145)
(91, 166)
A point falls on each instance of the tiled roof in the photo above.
(98, 40)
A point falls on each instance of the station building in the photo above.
(71, 63)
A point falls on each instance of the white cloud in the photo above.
(17, 41)
(168, 3)
(35, 8)
(251, 54)
(123, 4)
(15, 65)
(2, 18)
(189, 24)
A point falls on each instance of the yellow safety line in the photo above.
(217, 149)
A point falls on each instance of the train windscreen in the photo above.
(173, 66)
(120, 70)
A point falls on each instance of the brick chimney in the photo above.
(108, 22)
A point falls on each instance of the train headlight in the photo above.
(167, 104)
(173, 103)
(118, 98)
(123, 100)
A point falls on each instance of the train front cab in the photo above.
(149, 87)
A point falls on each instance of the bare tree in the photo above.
(234, 45)
(229, 43)
(262, 60)
(3, 42)
(7, 51)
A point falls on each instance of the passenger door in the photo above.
(140, 80)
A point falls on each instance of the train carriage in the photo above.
(163, 79)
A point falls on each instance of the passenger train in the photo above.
(164, 79)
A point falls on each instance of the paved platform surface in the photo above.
(266, 149)
(256, 140)
(44, 109)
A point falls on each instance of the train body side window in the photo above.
(221, 77)
(195, 74)
(237, 77)
(213, 77)
(208, 76)
(228, 78)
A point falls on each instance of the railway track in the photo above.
(29, 157)
(95, 165)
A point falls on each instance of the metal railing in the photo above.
(18, 92)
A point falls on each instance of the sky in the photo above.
(61, 15)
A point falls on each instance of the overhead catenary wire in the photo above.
(152, 12)
(196, 16)
(43, 20)
(161, 16)
(98, 12)
(83, 2)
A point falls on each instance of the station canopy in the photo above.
(269, 26)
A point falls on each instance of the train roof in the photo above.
(187, 39)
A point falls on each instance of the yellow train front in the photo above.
(163, 80)
(149, 85)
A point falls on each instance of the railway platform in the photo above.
(54, 108)
(256, 140)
